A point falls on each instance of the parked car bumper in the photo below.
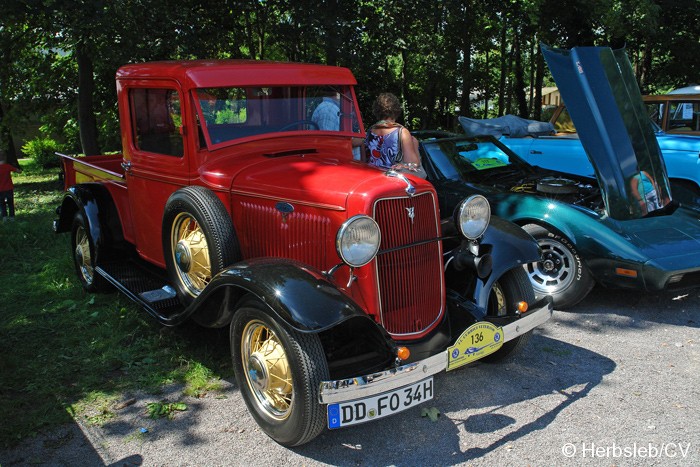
(359, 387)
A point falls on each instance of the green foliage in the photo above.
(440, 58)
(42, 150)
(65, 353)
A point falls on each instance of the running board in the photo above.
(148, 289)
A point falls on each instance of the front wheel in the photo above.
(561, 272)
(510, 289)
(279, 372)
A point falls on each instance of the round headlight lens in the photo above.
(358, 240)
(473, 216)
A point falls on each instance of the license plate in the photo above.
(379, 406)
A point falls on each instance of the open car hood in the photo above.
(605, 104)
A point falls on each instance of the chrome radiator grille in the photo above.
(410, 278)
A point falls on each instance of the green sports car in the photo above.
(620, 229)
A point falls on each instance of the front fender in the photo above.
(511, 247)
(300, 296)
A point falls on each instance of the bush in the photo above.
(43, 151)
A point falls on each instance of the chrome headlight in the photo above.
(472, 216)
(358, 240)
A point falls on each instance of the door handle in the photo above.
(535, 151)
(126, 165)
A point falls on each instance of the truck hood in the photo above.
(605, 104)
(314, 178)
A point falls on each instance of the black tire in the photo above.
(198, 240)
(85, 254)
(510, 289)
(285, 407)
(561, 272)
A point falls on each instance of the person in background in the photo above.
(7, 195)
(646, 192)
(390, 145)
(327, 117)
(327, 114)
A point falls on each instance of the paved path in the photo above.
(613, 382)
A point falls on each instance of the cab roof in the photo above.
(227, 73)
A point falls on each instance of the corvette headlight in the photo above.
(472, 216)
(358, 240)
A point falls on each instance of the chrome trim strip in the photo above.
(348, 389)
(529, 322)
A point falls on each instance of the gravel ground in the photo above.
(612, 382)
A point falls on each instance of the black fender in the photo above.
(300, 296)
(509, 247)
(95, 202)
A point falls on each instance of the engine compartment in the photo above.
(566, 189)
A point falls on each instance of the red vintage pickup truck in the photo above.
(233, 205)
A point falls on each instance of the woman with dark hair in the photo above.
(390, 145)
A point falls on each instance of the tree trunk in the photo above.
(519, 78)
(646, 65)
(7, 143)
(487, 93)
(466, 43)
(504, 72)
(539, 80)
(86, 115)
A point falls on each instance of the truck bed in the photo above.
(87, 169)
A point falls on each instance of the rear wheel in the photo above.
(85, 255)
(561, 272)
(510, 289)
(279, 372)
(198, 240)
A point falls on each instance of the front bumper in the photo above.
(359, 387)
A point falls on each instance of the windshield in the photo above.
(226, 114)
(467, 158)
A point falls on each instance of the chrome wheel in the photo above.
(190, 253)
(279, 371)
(267, 370)
(83, 258)
(556, 271)
(561, 273)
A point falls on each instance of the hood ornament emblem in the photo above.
(411, 213)
(410, 189)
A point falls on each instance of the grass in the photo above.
(65, 353)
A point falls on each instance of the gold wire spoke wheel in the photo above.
(82, 255)
(267, 370)
(191, 253)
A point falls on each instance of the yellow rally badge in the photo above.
(477, 341)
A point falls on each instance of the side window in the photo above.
(157, 120)
(683, 116)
